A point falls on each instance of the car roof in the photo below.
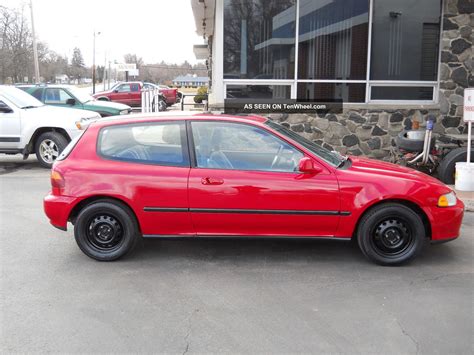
(178, 115)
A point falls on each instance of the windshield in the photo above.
(328, 156)
(80, 95)
(19, 98)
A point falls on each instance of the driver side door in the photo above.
(245, 182)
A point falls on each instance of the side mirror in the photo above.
(71, 102)
(116, 90)
(307, 166)
(5, 109)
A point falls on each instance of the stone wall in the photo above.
(457, 61)
(358, 132)
(372, 132)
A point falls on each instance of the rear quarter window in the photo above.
(161, 143)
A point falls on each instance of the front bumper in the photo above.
(58, 209)
(446, 222)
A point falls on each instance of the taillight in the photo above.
(57, 180)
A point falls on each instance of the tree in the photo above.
(133, 58)
(78, 69)
(15, 45)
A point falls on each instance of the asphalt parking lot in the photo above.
(221, 296)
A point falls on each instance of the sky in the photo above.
(155, 30)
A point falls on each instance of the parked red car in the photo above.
(129, 93)
(212, 175)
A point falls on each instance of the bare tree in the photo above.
(15, 46)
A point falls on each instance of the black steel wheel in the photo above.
(391, 234)
(106, 230)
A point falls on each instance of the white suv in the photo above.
(28, 126)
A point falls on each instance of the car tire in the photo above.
(106, 230)
(103, 99)
(391, 234)
(162, 106)
(411, 145)
(48, 146)
(447, 167)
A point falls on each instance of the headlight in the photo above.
(124, 112)
(447, 200)
(83, 123)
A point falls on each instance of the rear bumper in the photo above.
(446, 222)
(58, 209)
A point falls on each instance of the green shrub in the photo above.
(201, 95)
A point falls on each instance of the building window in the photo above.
(333, 38)
(337, 42)
(417, 93)
(258, 91)
(259, 39)
(327, 92)
(405, 40)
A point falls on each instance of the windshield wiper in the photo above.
(343, 158)
(27, 107)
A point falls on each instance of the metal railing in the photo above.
(150, 100)
(204, 104)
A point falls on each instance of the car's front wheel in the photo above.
(106, 230)
(391, 234)
(48, 147)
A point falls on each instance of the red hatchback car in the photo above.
(217, 175)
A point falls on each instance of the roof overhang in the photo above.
(204, 11)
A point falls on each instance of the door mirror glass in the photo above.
(4, 108)
(70, 102)
(307, 166)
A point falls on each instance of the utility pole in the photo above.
(93, 62)
(105, 70)
(35, 46)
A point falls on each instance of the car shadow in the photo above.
(272, 251)
(12, 164)
(244, 249)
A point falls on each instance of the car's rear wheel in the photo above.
(106, 230)
(391, 234)
(48, 147)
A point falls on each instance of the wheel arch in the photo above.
(30, 147)
(407, 203)
(103, 98)
(103, 198)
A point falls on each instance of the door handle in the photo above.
(212, 181)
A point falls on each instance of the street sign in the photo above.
(469, 105)
(133, 72)
(125, 66)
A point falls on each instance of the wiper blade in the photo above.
(27, 107)
(343, 161)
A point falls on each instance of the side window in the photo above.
(56, 96)
(37, 94)
(124, 88)
(4, 108)
(221, 145)
(135, 87)
(161, 143)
